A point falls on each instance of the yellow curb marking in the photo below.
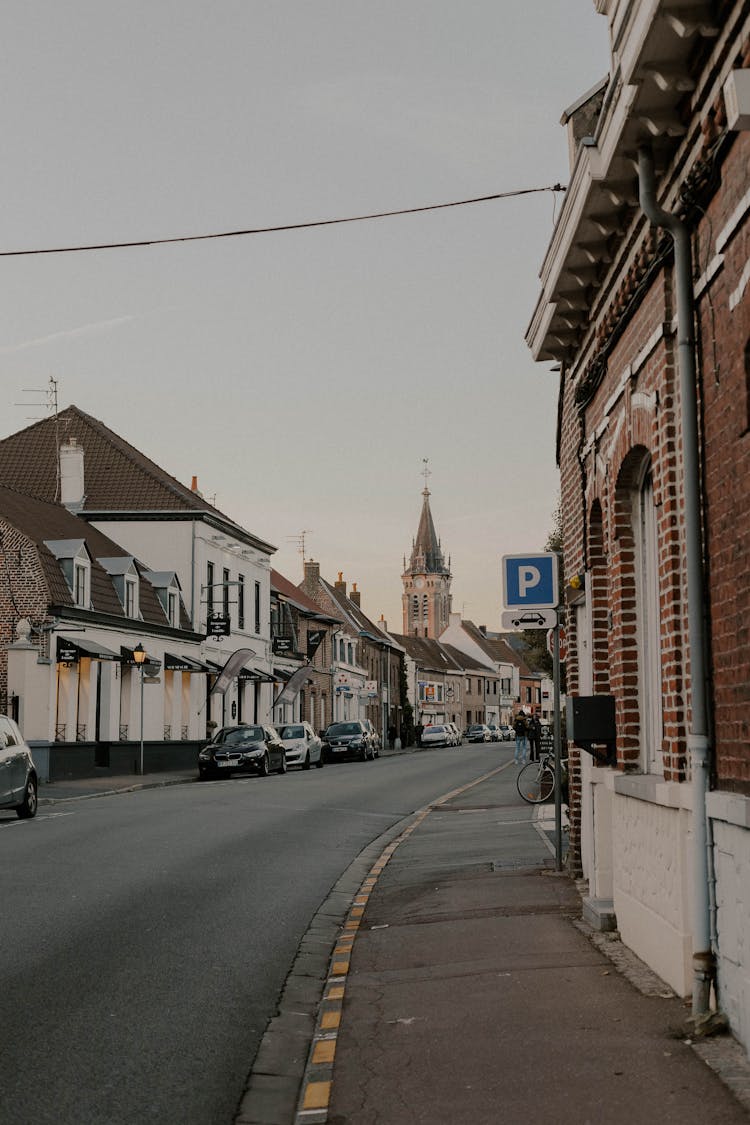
(340, 968)
(335, 993)
(317, 1095)
(330, 1020)
(351, 925)
(357, 911)
(325, 1051)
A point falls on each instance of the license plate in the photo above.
(233, 762)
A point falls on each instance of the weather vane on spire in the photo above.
(426, 473)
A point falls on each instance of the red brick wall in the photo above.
(724, 338)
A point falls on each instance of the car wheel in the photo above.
(306, 763)
(264, 766)
(282, 767)
(28, 807)
(320, 762)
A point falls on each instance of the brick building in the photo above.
(645, 309)
(365, 661)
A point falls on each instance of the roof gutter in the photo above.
(704, 966)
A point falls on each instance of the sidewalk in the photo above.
(79, 787)
(464, 990)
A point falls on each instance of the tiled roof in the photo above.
(117, 476)
(281, 585)
(41, 521)
(355, 616)
(497, 649)
(468, 663)
(431, 654)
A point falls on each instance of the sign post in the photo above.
(532, 601)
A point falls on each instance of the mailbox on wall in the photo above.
(591, 722)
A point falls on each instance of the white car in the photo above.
(302, 745)
(458, 738)
(437, 735)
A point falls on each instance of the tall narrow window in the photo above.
(131, 603)
(241, 601)
(209, 588)
(257, 607)
(225, 591)
(649, 633)
(79, 591)
(173, 605)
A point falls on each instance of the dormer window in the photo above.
(122, 570)
(167, 587)
(75, 563)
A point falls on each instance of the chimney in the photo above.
(340, 584)
(312, 575)
(383, 624)
(355, 594)
(71, 475)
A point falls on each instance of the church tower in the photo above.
(427, 580)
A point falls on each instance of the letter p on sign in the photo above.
(530, 581)
(528, 578)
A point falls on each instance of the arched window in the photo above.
(645, 538)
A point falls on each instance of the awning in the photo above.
(174, 663)
(70, 652)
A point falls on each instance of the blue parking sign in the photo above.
(530, 580)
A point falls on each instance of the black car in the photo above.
(18, 781)
(243, 749)
(350, 739)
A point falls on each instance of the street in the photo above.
(146, 937)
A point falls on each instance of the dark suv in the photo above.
(348, 739)
(18, 781)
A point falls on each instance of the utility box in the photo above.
(591, 721)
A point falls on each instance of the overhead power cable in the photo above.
(272, 230)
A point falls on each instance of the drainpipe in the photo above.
(704, 969)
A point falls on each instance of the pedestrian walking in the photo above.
(420, 728)
(534, 735)
(522, 751)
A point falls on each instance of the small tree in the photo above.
(407, 711)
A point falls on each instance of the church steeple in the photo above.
(426, 599)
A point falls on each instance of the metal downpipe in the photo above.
(697, 740)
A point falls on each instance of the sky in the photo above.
(302, 376)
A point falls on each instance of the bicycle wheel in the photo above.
(536, 783)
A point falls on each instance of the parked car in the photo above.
(19, 787)
(437, 734)
(302, 745)
(478, 732)
(494, 730)
(349, 739)
(246, 748)
(506, 732)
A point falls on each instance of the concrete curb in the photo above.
(114, 792)
(273, 1086)
(290, 1080)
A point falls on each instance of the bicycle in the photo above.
(536, 780)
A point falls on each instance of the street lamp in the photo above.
(140, 657)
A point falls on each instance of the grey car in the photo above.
(18, 781)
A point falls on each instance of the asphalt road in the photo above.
(145, 937)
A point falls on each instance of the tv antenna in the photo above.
(300, 540)
(48, 400)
